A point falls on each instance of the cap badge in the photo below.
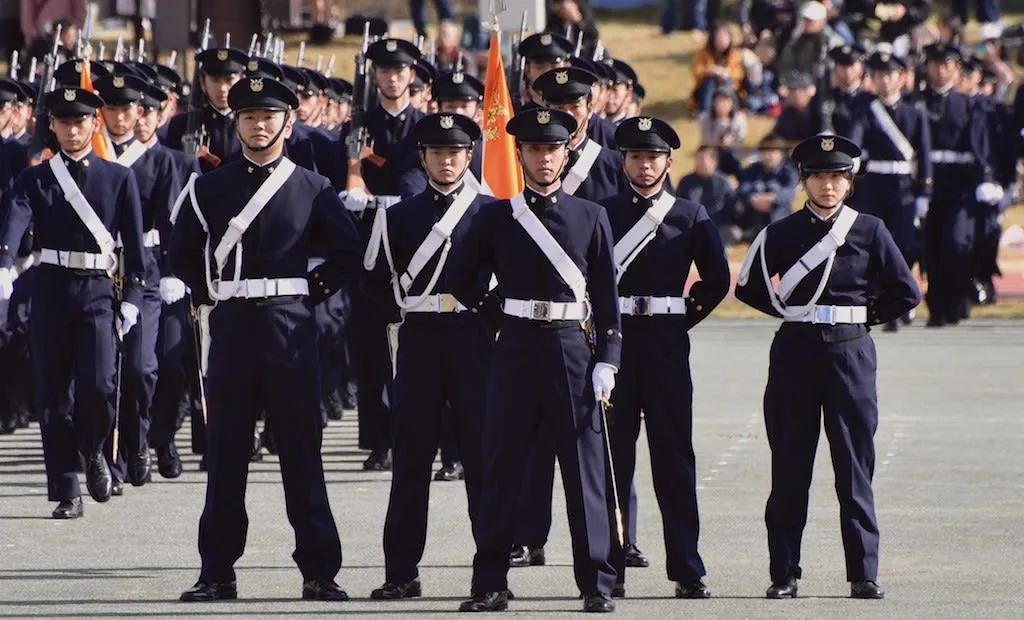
(644, 124)
(562, 77)
(545, 39)
(827, 144)
(256, 85)
(447, 122)
(70, 94)
(458, 78)
(391, 45)
(885, 57)
(543, 117)
(222, 55)
(186, 89)
(847, 49)
(253, 65)
(118, 81)
(78, 67)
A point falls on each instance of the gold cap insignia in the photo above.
(545, 39)
(562, 77)
(256, 85)
(543, 117)
(885, 56)
(458, 78)
(222, 55)
(109, 66)
(254, 65)
(827, 144)
(186, 89)
(118, 81)
(644, 124)
(78, 67)
(70, 94)
(391, 45)
(447, 122)
(847, 49)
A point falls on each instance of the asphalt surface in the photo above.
(949, 489)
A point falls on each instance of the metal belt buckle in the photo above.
(642, 306)
(447, 303)
(825, 315)
(540, 310)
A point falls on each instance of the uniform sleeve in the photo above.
(713, 268)
(186, 254)
(604, 295)
(376, 283)
(982, 118)
(468, 260)
(136, 259)
(337, 232)
(924, 160)
(751, 288)
(17, 215)
(896, 292)
(168, 186)
(412, 181)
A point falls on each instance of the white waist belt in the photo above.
(77, 260)
(263, 287)
(439, 303)
(545, 310)
(151, 239)
(647, 305)
(890, 167)
(952, 157)
(832, 315)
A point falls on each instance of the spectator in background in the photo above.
(766, 190)
(807, 50)
(39, 16)
(951, 30)
(987, 12)
(799, 119)
(697, 14)
(896, 20)
(10, 28)
(448, 51)
(996, 60)
(774, 17)
(719, 64)
(709, 187)
(418, 11)
(761, 83)
(834, 13)
(724, 125)
(569, 16)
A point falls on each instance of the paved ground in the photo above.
(950, 489)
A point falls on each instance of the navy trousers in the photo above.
(810, 380)
(442, 365)
(369, 343)
(264, 358)
(655, 379)
(540, 385)
(73, 355)
(330, 324)
(176, 366)
(949, 234)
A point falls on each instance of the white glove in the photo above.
(127, 318)
(603, 379)
(172, 290)
(356, 199)
(921, 207)
(989, 193)
(7, 277)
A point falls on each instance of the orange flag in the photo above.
(99, 138)
(500, 167)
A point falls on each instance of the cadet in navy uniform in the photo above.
(657, 237)
(847, 77)
(552, 255)
(389, 126)
(959, 154)
(443, 349)
(221, 68)
(156, 176)
(896, 140)
(541, 52)
(74, 311)
(263, 354)
(841, 272)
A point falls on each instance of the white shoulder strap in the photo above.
(81, 206)
(555, 253)
(578, 173)
(642, 233)
(187, 191)
(132, 154)
(892, 131)
(439, 233)
(819, 253)
(241, 222)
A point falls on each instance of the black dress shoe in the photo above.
(202, 463)
(786, 589)
(140, 467)
(598, 604)
(168, 463)
(619, 590)
(69, 509)
(450, 473)
(934, 321)
(267, 440)
(316, 590)
(527, 556)
(634, 557)
(116, 488)
(202, 592)
(392, 591)
(486, 601)
(379, 460)
(692, 589)
(866, 589)
(97, 477)
(891, 326)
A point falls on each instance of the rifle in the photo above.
(191, 141)
(302, 55)
(579, 45)
(254, 44)
(119, 50)
(599, 51)
(140, 54)
(330, 66)
(42, 138)
(358, 136)
(517, 67)
(14, 65)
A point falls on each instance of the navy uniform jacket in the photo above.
(714, 192)
(686, 236)
(13, 159)
(602, 131)
(956, 124)
(409, 222)
(866, 131)
(329, 155)
(413, 180)
(223, 137)
(1003, 141)
(112, 192)
(184, 163)
(606, 177)
(305, 211)
(869, 270)
(299, 147)
(392, 140)
(497, 243)
(838, 110)
(795, 125)
(159, 183)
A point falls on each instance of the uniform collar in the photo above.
(644, 201)
(825, 221)
(224, 113)
(80, 158)
(399, 114)
(436, 195)
(252, 167)
(536, 200)
(945, 90)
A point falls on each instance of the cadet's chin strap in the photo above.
(273, 141)
(656, 183)
(558, 177)
(458, 180)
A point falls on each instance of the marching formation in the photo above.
(268, 242)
